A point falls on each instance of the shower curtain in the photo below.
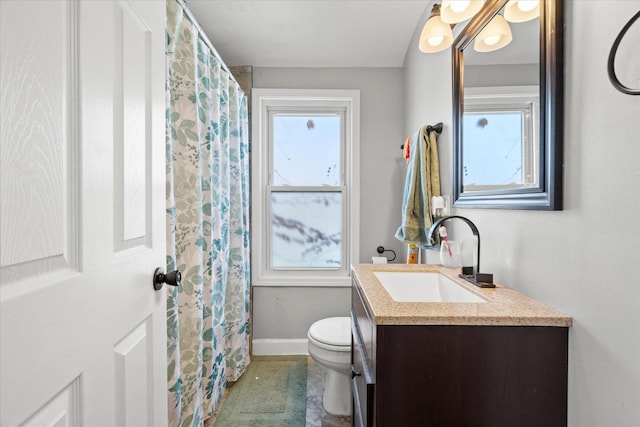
(208, 223)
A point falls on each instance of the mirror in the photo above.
(507, 113)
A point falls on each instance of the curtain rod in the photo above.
(203, 36)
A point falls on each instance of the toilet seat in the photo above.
(333, 333)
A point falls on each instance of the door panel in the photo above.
(133, 382)
(83, 333)
(35, 192)
(132, 140)
(62, 411)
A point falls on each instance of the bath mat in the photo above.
(271, 393)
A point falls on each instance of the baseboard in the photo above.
(280, 347)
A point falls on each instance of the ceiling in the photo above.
(310, 33)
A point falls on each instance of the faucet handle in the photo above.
(467, 271)
(484, 278)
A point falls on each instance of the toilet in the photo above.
(330, 347)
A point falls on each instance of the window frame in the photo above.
(265, 103)
(521, 99)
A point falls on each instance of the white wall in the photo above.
(581, 260)
(286, 313)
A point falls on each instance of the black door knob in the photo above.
(172, 278)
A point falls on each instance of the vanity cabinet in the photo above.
(456, 375)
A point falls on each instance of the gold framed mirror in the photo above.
(507, 122)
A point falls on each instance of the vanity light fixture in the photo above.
(436, 35)
(496, 35)
(454, 11)
(521, 10)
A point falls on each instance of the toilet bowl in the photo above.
(330, 346)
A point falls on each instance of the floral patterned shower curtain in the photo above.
(208, 224)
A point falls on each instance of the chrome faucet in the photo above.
(471, 274)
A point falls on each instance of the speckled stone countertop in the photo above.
(505, 307)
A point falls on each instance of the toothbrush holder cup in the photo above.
(450, 254)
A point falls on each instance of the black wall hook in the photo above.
(437, 128)
(612, 56)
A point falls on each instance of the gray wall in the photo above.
(501, 75)
(580, 260)
(287, 312)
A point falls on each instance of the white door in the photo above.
(82, 218)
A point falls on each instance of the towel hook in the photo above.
(612, 55)
(437, 128)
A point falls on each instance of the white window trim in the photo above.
(262, 101)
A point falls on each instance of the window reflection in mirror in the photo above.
(501, 144)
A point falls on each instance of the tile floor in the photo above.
(316, 415)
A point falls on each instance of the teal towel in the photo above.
(422, 182)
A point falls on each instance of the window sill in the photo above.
(303, 281)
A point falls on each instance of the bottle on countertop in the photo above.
(412, 254)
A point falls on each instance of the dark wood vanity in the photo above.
(455, 374)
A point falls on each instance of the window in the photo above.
(305, 195)
(501, 146)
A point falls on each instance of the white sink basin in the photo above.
(404, 286)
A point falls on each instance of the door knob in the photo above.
(172, 278)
